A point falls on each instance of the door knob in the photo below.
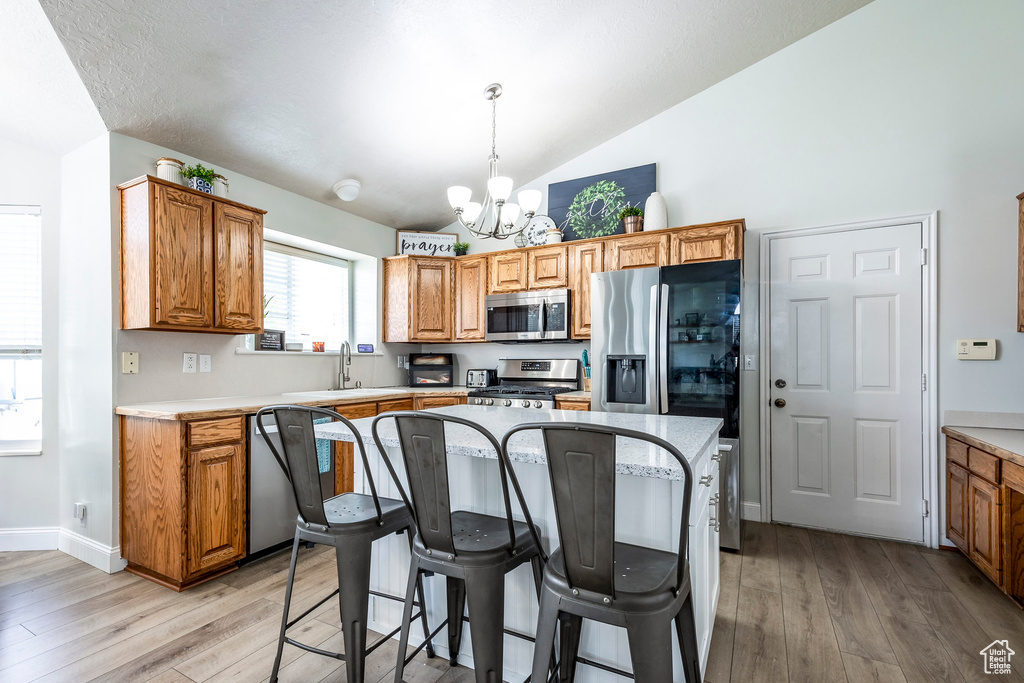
(780, 383)
(780, 403)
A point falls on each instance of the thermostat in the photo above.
(976, 349)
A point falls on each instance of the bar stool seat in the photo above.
(478, 536)
(355, 513)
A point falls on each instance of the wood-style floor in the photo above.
(797, 605)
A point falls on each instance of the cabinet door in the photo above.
(507, 272)
(985, 523)
(700, 577)
(216, 507)
(394, 404)
(470, 302)
(182, 258)
(714, 243)
(428, 402)
(431, 296)
(344, 453)
(584, 259)
(547, 268)
(956, 505)
(637, 251)
(239, 268)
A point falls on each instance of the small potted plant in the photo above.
(461, 248)
(199, 178)
(632, 219)
(269, 340)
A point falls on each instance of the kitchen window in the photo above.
(308, 295)
(21, 331)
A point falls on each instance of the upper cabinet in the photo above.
(189, 261)
(548, 267)
(418, 296)
(470, 297)
(507, 271)
(585, 258)
(637, 250)
(721, 242)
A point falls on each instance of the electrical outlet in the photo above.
(80, 512)
(401, 361)
(750, 362)
(130, 362)
(205, 362)
(190, 362)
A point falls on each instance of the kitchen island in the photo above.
(648, 503)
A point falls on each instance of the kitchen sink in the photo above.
(340, 393)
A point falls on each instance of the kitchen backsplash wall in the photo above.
(470, 356)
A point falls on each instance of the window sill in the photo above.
(22, 448)
(240, 351)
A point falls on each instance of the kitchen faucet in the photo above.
(345, 359)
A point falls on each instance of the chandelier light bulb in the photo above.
(459, 196)
(471, 211)
(529, 200)
(510, 213)
(500, 187)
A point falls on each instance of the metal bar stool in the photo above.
(350, 522)
(591, 576)
(474, 551)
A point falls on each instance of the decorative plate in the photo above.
(535, 231)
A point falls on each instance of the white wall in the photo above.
(28, 490)
(903, 107)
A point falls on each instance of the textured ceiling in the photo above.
(43, 103)
(302, 94)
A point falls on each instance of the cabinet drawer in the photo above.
(426, 403)
(357, 410)
(984, 465)
(572, 405)
(1013, 476)
(398, 404)
(210, 432)
(956, 451)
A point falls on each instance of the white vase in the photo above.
(170, 170)
(655, 212)
(220, 186)
(553, 236)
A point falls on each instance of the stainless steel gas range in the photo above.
(527, 383)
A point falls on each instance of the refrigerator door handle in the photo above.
(662, 341)
(652, 369)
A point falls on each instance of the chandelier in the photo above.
(496, 217)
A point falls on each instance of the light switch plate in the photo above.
(130, 362)
(750, 362)
(205, 362)
(190, 362)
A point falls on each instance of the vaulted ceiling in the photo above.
(302, 94)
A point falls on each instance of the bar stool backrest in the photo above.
(424, 452)
(581, 467)
(299, 461)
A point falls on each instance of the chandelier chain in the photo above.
(494, 125)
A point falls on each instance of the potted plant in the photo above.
(199, 178)
(269, 340)
(632, 219)
(461, 248)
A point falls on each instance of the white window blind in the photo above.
(21, 330)
(308, 294)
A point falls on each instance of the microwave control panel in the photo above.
(555, 317)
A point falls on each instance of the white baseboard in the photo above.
(29, 538)
(751, 511)
(91, 552)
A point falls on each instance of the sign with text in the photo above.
(426, 243)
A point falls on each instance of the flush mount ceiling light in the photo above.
(497, 215)
(347, 189)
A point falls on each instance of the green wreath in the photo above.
(594, 212)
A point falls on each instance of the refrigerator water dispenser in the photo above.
(626, 379)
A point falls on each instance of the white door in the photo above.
(846, 381)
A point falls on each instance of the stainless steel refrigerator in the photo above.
(667, 340)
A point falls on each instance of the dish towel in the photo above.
(323, 449)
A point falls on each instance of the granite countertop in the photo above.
(574, 396)
(691, 435)
(231, 406)
(1008, 444)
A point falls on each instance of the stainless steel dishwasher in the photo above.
(272, 510)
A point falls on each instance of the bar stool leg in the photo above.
(287, 604)
(686, 631)
(423, 603)
(572, 629)
(403, 641)
(485, 593)
(456, 608)
(353, 555)
(650, 647)
(544, 648)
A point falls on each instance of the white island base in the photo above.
(649, 497)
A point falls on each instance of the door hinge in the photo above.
(924, 382)
(924, 256)
(924, 508)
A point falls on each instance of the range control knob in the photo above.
(526, 404)
(478, 401)
(536, 404)
(489, 401)
(507, 402)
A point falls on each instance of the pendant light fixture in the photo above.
(496, 216)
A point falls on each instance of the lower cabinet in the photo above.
(985, 524)
(428, 402)
(344, 453)
(183, 498)
(957, 499)
(571, 404)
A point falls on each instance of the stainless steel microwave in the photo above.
(528, 316)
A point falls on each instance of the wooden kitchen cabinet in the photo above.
(957, 498)
(711, 243)
(985, 524)
(507, 271)
(637, 250)
(190, 262)
(584, 260)
(418, 292)
(428, 402)
(548, 267)
(562, 403)
(470, 298)
(183, 498)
